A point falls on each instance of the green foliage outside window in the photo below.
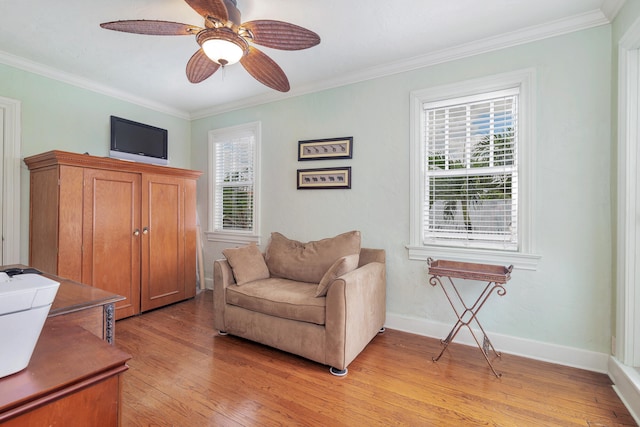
(237, 201)
(467, 191)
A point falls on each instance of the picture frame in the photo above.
(326, 149)
(324, 178)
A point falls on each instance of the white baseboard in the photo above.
(627, 385)
(562, 355)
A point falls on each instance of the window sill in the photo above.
(235, 238)
(519, 260)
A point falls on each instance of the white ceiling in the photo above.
(361, 39)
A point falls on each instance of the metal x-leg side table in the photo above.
(495, 276)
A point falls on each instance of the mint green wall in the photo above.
(564, 302)
(567, 300)
(60, 116)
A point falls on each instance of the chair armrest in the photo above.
(356, 310)
(222, 278)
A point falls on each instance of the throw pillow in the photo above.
(308, 262)
(247, 263)
(342, 266)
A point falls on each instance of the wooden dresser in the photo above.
(128, 228)
(73, 379)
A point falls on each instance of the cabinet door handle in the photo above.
(136, 232)
(145, 230)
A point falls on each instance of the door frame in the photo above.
(11, 111)
(628, 234)
(626, 342)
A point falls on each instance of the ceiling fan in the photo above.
(224, 40)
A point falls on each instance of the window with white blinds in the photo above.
(472, 166)
(470, 147)
(234, 173)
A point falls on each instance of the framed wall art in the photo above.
(326, 149)
(326, 178)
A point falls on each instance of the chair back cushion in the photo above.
(308, 262)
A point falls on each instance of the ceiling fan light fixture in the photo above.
(225, 40)
(222, 45)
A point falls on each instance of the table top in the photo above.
(73, 296)
(470, 271)
(65, 355)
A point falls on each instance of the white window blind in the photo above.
(234, 179)
(471, 171)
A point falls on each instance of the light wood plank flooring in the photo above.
(184, 374)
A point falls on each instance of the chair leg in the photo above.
(338, 372)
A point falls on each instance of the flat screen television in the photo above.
(138, 142)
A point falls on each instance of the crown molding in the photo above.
(490, 44)
(83, 83)
(253, 101)
(583, 21)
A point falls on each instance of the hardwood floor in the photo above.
(184, 374)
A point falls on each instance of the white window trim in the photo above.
(524, 258)
(235, 237)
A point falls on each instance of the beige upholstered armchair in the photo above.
(322, 300)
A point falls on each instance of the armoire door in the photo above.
(111, 236)
(163, 241)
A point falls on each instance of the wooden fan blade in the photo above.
(154, 28)
(265, 70)
(210, 8)
(281, 35)
(200, 67)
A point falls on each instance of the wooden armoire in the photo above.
(125, 227)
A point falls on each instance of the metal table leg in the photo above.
(468, 315)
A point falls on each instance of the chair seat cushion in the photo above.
(281, 298)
